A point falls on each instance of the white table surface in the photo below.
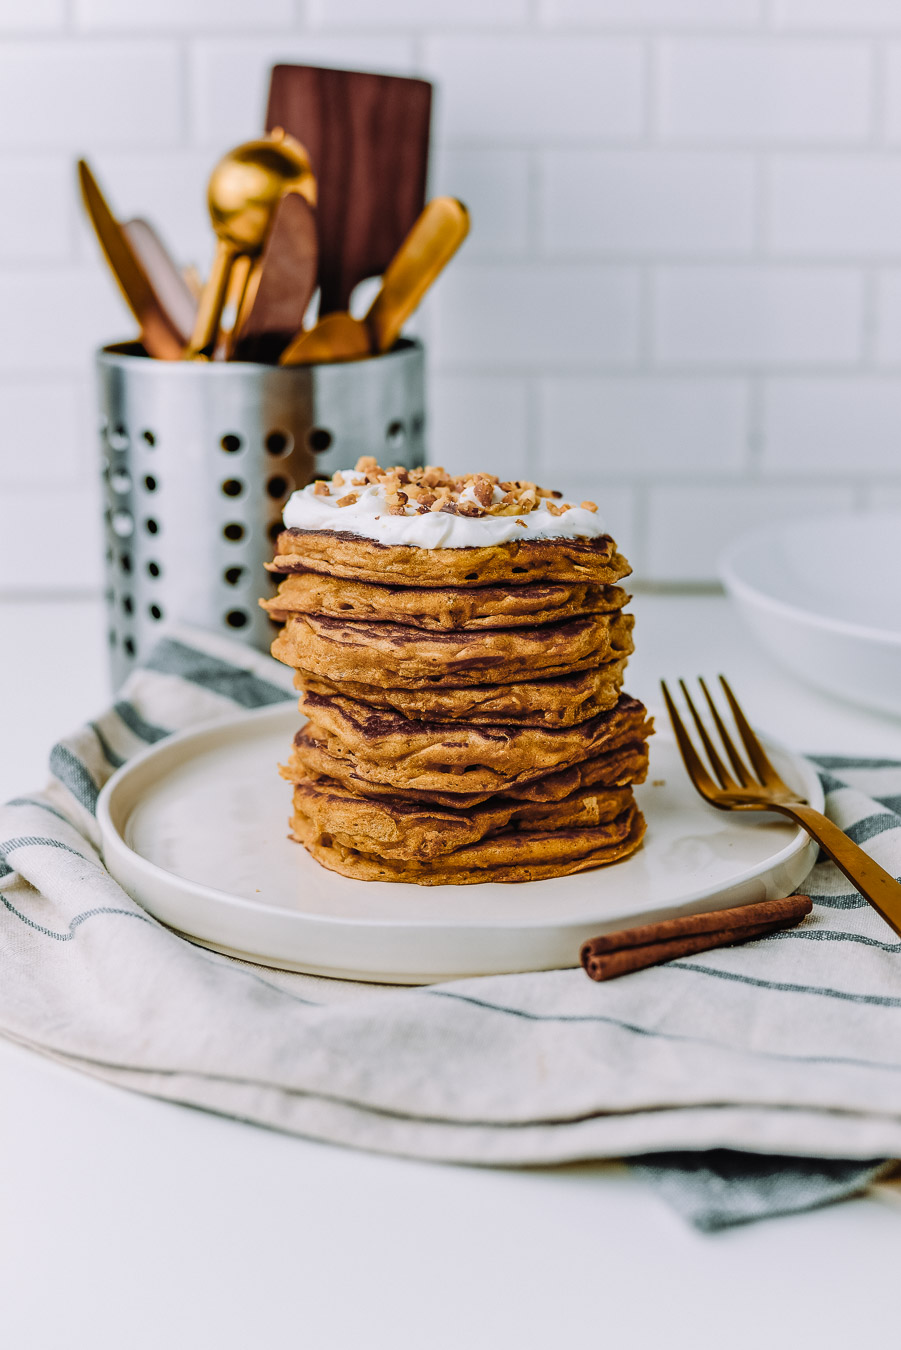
(132, 1224)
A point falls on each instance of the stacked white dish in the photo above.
(824, 597)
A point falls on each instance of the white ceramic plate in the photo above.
(195, 830)
(823, 597)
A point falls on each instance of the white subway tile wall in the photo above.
(687, 526)
(36, 15)
(537, 315)
(764, 91)
(59, 95)
(757, 314)
(819, 426)
(601, 423)
(682, 292)
(888, 331)
(649, 203)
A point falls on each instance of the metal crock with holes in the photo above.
(198, 460)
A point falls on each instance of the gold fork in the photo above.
(759, 788)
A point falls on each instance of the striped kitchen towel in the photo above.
(750, 1080)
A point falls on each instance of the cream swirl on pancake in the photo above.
(357, 507)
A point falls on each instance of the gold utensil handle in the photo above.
(873, 882)
(426, 251)
(239, 297)
(212, 299)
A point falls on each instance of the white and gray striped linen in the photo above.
(788, 1047)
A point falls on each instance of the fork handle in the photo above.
(873, 882)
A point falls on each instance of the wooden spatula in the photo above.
(280, 286)
(368, 139)
(424, 254)
(164, 275)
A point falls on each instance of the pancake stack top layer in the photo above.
(460, 645)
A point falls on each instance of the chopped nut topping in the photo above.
(483, 489)
(347, 500)
(434, 489)
(589, 506)
(321, 488)
(522, 523)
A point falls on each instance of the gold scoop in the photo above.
(244, 189)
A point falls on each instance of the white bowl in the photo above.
(824, 597)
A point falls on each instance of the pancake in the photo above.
(556, 702)
(391, 741)
(441, 607)
(340, 554)
(618, 765)
(459, 646)
(403, 830)
(524, 855)
(405, 657)
(452, 766)
(622, 766)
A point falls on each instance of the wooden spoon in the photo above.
(426, 251)
(244, 189)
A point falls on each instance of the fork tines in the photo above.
(759, 774)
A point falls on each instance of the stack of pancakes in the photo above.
(466, 720)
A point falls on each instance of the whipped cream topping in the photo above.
(368, 515)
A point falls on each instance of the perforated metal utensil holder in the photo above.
(198, 460)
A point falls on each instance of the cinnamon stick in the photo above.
(614, 954)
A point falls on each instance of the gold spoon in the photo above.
(244, 189)
(428, 248)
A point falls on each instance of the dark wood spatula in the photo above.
(280, 286)
(368, 140)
